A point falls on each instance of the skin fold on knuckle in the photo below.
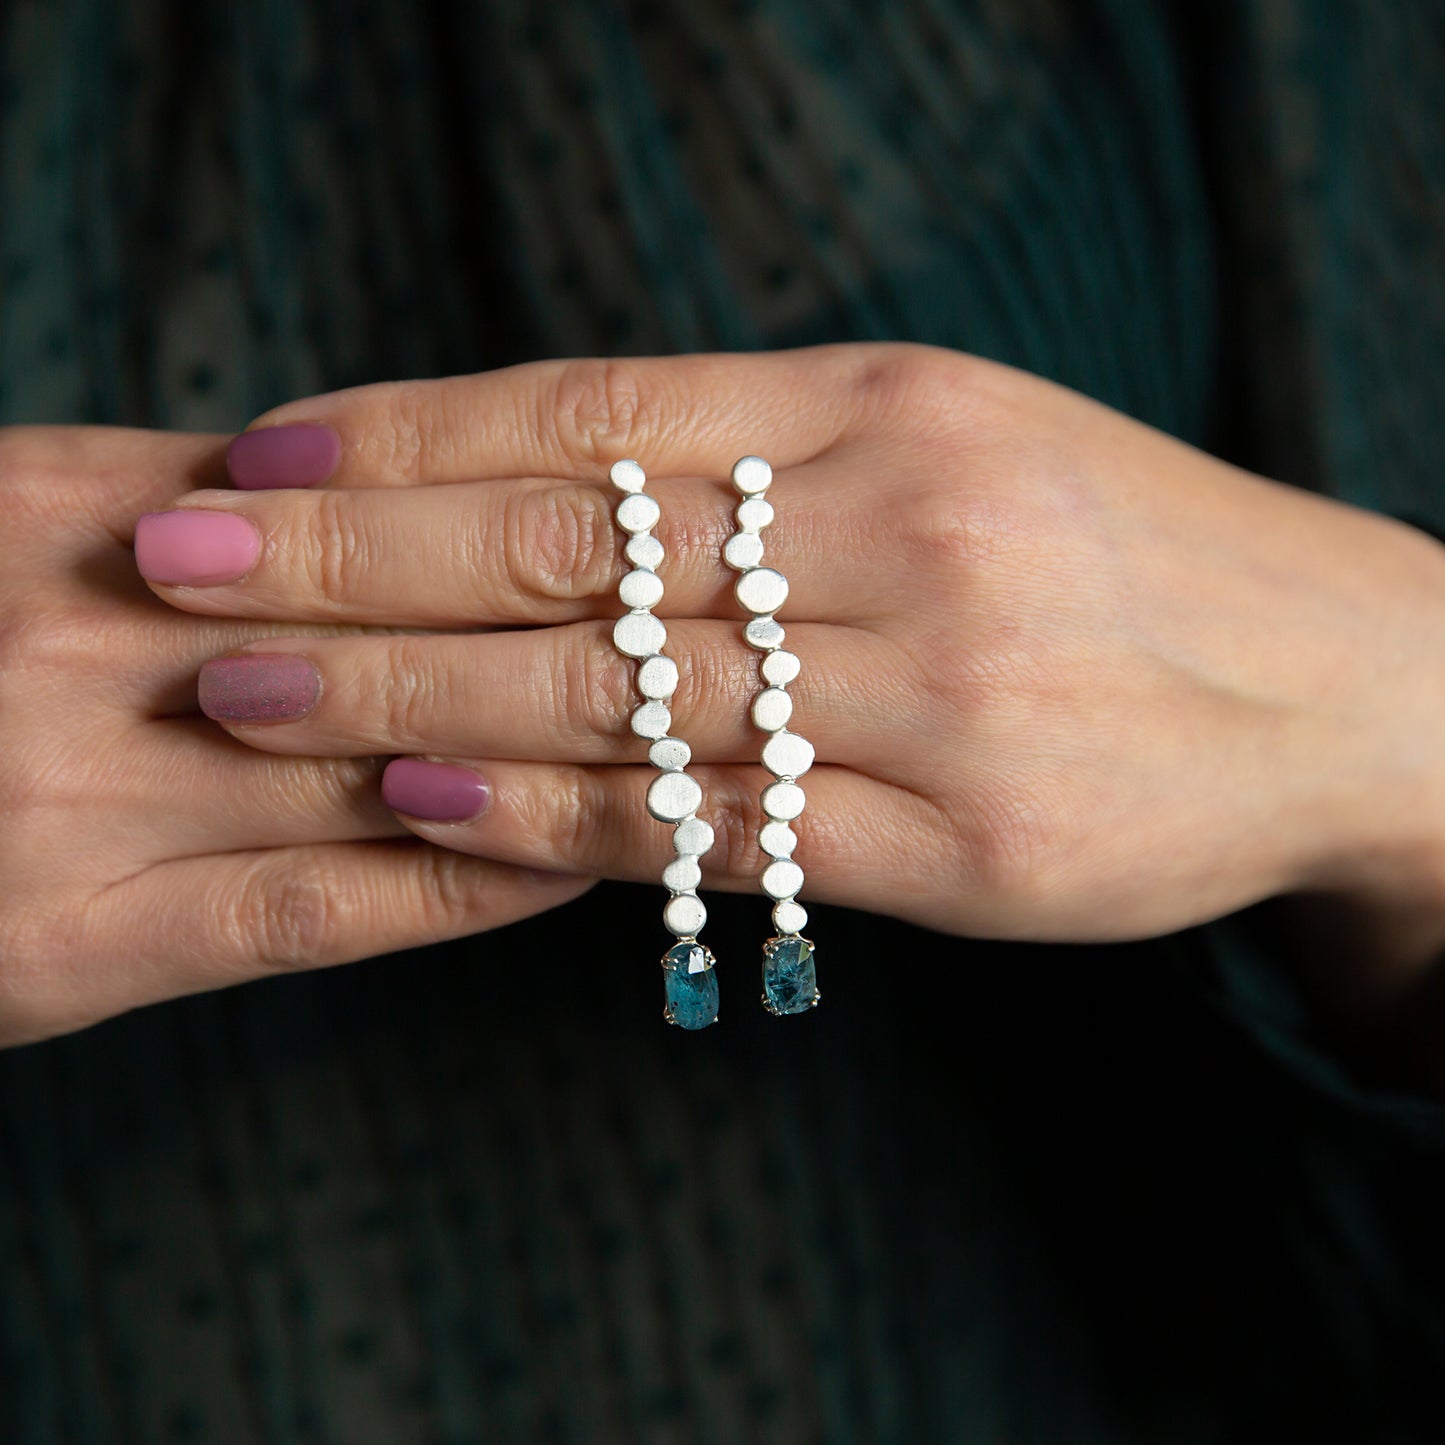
(904, 380)
(397, 441)
(457, 894)
(715, 679)
(560, 544)
(1010, 847)
(336, 554)
(731, 804)
(579, 821)
(283, 918)
(590, 692)
(413, 698)
(598, 409)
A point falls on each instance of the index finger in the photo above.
(680, 415)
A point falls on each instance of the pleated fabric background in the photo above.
(479, 1193)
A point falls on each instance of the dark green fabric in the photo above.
(1090, 1194)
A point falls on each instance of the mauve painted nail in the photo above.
(437, 792)
(258, 687)
(195, 548)
(302, 455)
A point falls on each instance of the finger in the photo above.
(522, 551)
(556, 693)
(98, 479)
(141, 658)
(204, 923)
(679, 415)
(861, 842)
(221, 796)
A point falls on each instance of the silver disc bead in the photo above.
(789, 916)
(638, 512)
(761, 590)
(639, 634)
(783, 801)
(651, 721)
(772, 708)
(640, 588)
(669, 755)
(752, 476)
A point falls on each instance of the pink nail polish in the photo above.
(258, 687)
(195, 548)
(302, 455)
(436, 792)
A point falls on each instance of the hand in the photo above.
(144, 854)
(1068, 679)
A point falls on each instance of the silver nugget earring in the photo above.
(690, 993)
(790, 983)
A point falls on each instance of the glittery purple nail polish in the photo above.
(258, 687)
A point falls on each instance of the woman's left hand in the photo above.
(1067, 678)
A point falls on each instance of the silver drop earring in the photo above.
(690, 992)
(789, 976)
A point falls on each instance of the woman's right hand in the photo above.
(143, 853)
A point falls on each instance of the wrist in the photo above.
(1388, 847)
(1368, 914)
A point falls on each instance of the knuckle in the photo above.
(907, 378)
(289, 917)
(584, 817)
(559, 543)
(592, 688)
(456, 892)
(1009, 843)
(399, 436)
(982, 680)
(600, 409)
(693, 538)
(413, 695)
(335, 548)
(714, 678)
(951, 531)
(736, 815)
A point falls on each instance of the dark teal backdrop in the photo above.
(1085, 1195)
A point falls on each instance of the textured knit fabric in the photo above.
(1086, 1195)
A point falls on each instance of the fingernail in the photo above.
(195, 548)
(437, 792)
(303, 455)
(258, 687)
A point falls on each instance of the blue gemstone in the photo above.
(691, 986)
(790, 981)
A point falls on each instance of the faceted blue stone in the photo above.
(691, 986)
(790, 981)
